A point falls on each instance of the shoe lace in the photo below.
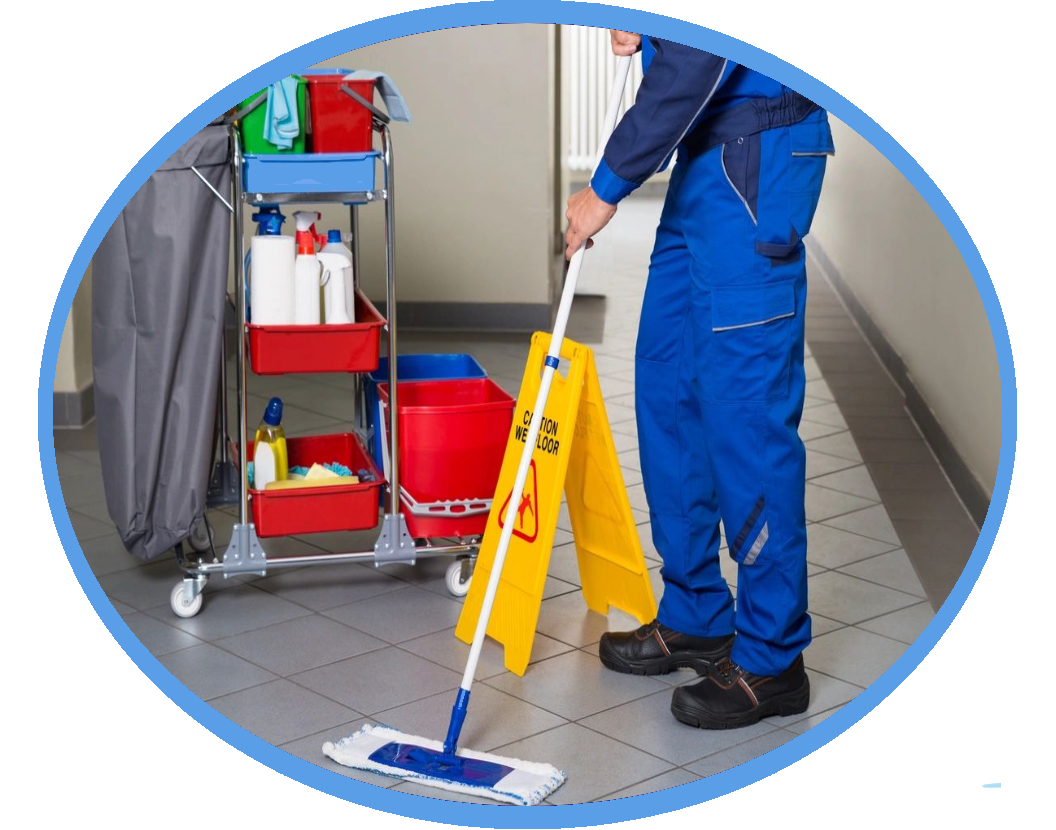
(728, 669)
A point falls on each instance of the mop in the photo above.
(383, 750)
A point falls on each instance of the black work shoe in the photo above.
(730, 696)
(657, 649)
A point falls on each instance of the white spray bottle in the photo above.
(335, 272)
(306, 272)
(335, 244)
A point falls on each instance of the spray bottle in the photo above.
(339, 297)
(306, 271)
(335, 268)
(270, 459)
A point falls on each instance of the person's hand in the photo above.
(624, 43)
(586, 215)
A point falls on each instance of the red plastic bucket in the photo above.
(319, 509)
(339, 123)
(453, 436)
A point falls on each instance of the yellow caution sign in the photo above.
(574, 453)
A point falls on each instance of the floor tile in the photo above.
(447, 650)
(379, 680)
(850, 654)
(579, 752)
(850, 600)
(841, 444)
(232, 611)
(664, 781)
(924, 504)
(834, 548)
(820, 463)
(399, 615)
(904, 625)
(107, 555)
(209, 672)
(809, 430)
(872, 522)
(647, 724)
(822, 625)
(329, 586)
(157, 637)
(87, 528)
(567, 619)
(853, 480)
(828, 414)
(742, 753)
(495, 718)
(823, 503)
(280, 711)
(548, 685)
(891, 569)
(801, 726)
(300, 644)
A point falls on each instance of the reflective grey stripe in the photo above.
(818, 153)
(757, 548)
(722, 159)
(756, 323)
(707, 100)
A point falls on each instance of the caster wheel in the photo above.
(202, 537)
(180, 606)
(456, 585)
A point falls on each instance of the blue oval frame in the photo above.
(529, 11)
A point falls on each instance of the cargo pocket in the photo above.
(749, 352)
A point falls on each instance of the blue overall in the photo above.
(719, 361)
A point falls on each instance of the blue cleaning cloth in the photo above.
(333, 466)
(394, 103)
(281, 124)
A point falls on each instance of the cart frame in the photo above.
(244, 553)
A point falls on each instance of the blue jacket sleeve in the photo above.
(674, 92)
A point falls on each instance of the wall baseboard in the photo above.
(967, 486)
(498, 317)
(73, 410)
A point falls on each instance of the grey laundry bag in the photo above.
(159, 281)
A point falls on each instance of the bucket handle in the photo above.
(355, 96)
(248, 108)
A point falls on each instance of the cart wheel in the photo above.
(180, 606)
(455, 583)
(202, 537)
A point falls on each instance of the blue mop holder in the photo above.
(458, 717)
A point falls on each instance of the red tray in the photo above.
(323, 509)
(279, 350)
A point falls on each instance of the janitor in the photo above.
(719, 372)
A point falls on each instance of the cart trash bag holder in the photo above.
(159, 281)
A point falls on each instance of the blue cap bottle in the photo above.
(273, 414)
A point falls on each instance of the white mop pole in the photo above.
(553, 357)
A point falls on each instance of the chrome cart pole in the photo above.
(240, 315)
(395, 543)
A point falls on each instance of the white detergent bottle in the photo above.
(306, 272)
(335, 272)
(335, 244)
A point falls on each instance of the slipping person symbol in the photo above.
(526, 504)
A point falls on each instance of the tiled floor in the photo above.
(309, 655)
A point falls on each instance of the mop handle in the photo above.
(553, 356)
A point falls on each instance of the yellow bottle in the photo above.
(270, 461)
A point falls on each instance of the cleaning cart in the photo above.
(346, 178)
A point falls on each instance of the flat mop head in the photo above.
(388, 752)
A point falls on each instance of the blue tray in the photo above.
(310, 173)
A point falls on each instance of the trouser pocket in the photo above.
(740, 165)
(748, 351)
(792, 168)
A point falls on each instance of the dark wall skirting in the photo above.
(439, 316)
(72, 410)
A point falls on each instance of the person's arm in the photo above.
(678, 86)
(674, 92)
